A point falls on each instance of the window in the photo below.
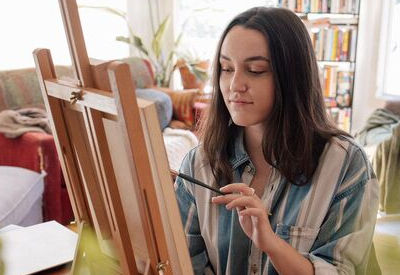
(27, 25)
(389, 84)
(204, 22)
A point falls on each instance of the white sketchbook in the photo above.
(26, 250)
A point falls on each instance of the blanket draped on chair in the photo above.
(383, 131)
(14, 123)
(386, 163)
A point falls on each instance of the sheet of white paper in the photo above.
(10, 227)
(31, 249)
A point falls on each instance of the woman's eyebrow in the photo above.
(248, 59)
(256, 58)
(224, 57)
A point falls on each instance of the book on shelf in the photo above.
(341, 117)
(321, 6)
(333, 29)
(344, 87)
(353, 44)
(329, 81)
(334, 43)
(336, 86)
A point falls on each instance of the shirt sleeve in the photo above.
(190, 221)
(344, 241)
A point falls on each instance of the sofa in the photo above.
(37, 152)
(34, 150)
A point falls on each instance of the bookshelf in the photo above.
(333, 29)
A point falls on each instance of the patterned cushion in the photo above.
(182, 105)
(141, 72)
(20, 88)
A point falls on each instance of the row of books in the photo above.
(336, 86)
(342, 117)
(321, 6)
(334, 43)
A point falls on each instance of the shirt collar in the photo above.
(239, 154)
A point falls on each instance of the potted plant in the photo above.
(163, 63)
(194, 72)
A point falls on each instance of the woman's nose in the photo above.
(238, 83)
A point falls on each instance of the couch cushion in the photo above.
(20, 88)
(182, 105)
(20, 192)
(141, 71)
(163, 104)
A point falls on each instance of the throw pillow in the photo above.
(141, 72)
(163, 104)
(20, 88)
(182, 105)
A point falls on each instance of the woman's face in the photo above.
(246, 80)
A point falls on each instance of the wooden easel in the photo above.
(114, 162)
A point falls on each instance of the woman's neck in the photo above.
(253, 137)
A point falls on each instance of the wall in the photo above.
(139, 17)
(365, 88)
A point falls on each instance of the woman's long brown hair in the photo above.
(298, 126)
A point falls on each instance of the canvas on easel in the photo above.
(114, 163)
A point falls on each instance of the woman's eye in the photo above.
(226, 69)
(256, 72)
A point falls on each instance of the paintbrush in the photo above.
(197, 182)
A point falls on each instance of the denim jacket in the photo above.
(330, 220)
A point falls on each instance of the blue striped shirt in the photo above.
(330, 220)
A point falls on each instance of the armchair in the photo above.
(33, 150)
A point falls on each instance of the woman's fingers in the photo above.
(233, 191)
(224, 199)
(237, 188)
(244, 202)
(256, 212)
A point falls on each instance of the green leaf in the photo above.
(156, 43)
(199, 73)
(123, 39)
(136, 42)
(178, 39)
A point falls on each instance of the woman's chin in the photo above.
(241, 122)
(247, 122)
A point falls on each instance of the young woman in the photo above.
(301, 197)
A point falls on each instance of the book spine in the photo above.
(322, 37)
(334, 43)
(333, 84)
(306, 6)
(327, 80)
(345, 46)
(353, 44)
(292, 5)
(339, 45)
(299, 6)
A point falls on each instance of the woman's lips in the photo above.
(240, 102)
